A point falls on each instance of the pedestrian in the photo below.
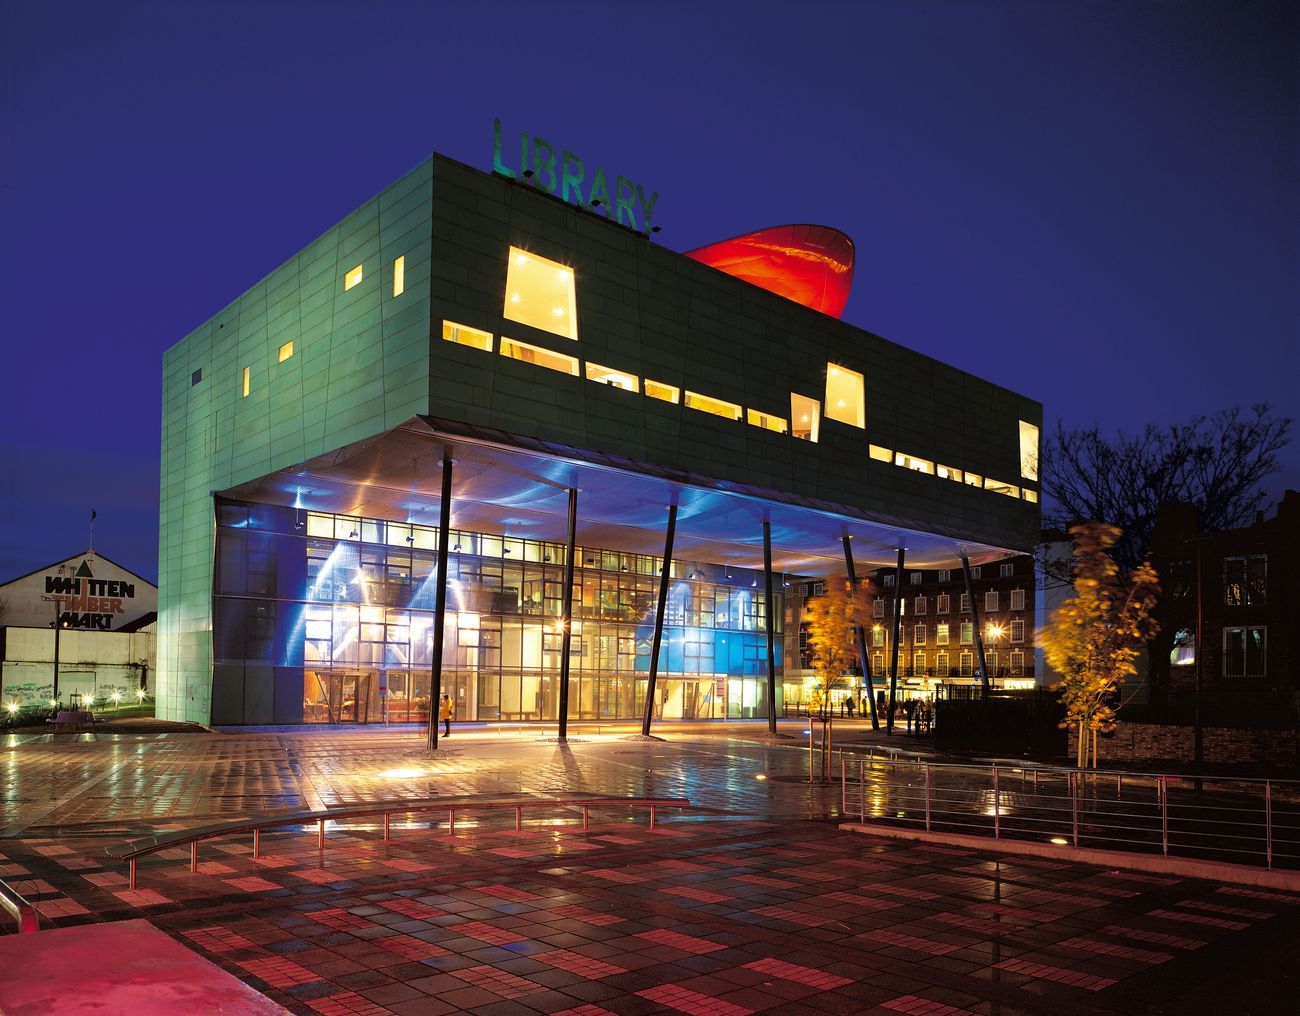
(444, 714)
(909, 708)
(849, 700)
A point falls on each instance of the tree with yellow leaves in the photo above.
(832, 619)
(1095, 636)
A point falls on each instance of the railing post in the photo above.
(257, 842)
(519, 818)
(927, 797)
(1268, 822)
(1163, 784)
(451, 821)
(133, 872)
(844, 787)
(862, 790)
(585, 817)
(810, 749)
(320, 834)
(1074, 804)
(386, 832)
(652, 816)
(194, 855)
(997, 806)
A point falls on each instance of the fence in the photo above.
(1255, 822)
(1245, 708)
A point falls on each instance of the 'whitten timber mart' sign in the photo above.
(87, 592)
(83, 601)
(566, 175)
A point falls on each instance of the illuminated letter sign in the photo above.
(565, 173)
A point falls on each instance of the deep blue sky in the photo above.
(1094, 203)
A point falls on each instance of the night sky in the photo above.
(1092, 203)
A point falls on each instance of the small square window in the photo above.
(805, 416)
(766, 421)
(286, 351)
(196, 377)
(845, 396)
(247, 372)
(613, 378)
(399, 276)
(352, 278)
(663, 392)
(540, 293)
(1006, 568)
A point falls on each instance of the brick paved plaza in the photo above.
(753, 903)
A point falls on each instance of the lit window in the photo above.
(878, 663)
(1028, 451)
(399, 276)
(1017, 663)
(941, 633)
(541, 293)
(247, 372)
(973, 479)
(918, 634)
(717, 407)
(880, 454)
(918, 664)
(542, 357)
(805, 417)
(998, 487)
(913, 463)
(1017, 631)
(1030, 495)
(467, 336)
(846, 400)
(967, 662)
(663, 392)
(941, 665)
(967, 633)
(947, 473)
(1245, 581)
(351, 278)
(613, 378)
(766, 421)
(286, 351)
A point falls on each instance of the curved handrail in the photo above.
(19, 909)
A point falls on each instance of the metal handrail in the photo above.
(1236, 817)
(19, 909)
(132, 852)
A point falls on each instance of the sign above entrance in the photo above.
(567, 176)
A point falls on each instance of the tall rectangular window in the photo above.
(991, 600)
(286, 351)
(878, 607)
(399, 275)
(613, 378)
(716, 407)
(846, 399)
(918, 634)
(967, 633)
(547, 358)
(941, 665)
(967, 663)
(941, 603)
(1028, 451)
(918, 664)
(766, 421)
(1017, 661)
(941, 633)
(352, 278)
(1245, 581)
(245, 383)
(465, 336)
(1017, 631)
(805, 417)
(663, 392)
(964, 603)
(1017, 599)
(1244, 652)
(878, 663)
(919, 605)
(878, 635)
(541, 293)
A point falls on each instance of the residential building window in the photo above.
(1006, 569)
(941, 633)
(878, 663)
(247, 372)
(977, 571)
(766, 421)
(613, 378)
(286, 351)
(541, 293)
(878, 635)
(196, 377)
(940, 664)
(1244, 652)
(991, 661)
(967, 664)
(1017, 631)
(919, 605)
(352, 278)
(918, 664)
(1028, 451)
(967, 633)
(917, 578)
(942, 603)
(964, 604)
(399, 275)
(805, 417)
(1017, 663)
(991, 600)
(846, 399)
(547, 358)
(918, 634)
(945, 575)
(466, 336)
(878, 607)
(1017, 599)
(662, 392)
(712, 406)
(1245, 581)
(889, 581)
(819, 589)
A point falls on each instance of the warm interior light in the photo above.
(399, 275)
(613, 378)
(467, 336)
(1060, 841)
(761, 776)
(663, 392)
(542, 294)
(845, 396)
(808, 414)
(352, 278)
(286, 351)
(715, 407)
(547, 358)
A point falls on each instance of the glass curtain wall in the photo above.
(362, 625)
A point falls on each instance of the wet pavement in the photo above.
(754, 903)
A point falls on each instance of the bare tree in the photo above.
(1216, 463)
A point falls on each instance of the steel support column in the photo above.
(898, 626)
(770, 614)
(566, 642)
(440, 601)
(975, 618)
(859, 633)
(660, 607)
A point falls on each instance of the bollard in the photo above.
(652, 816)
(451, 821)
(1074, 804)
(320, 834)
(810, 750)
(257, 842)
(386, 833)
(586, 818)
(194, 855)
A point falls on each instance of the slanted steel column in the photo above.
(771, 627)
(660, 607)
(566, 646)
(975, 618)
(440, 600)
(898, 625)
(857, 630)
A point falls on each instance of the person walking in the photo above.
(444, 714)
(849, 701)
(909, 709)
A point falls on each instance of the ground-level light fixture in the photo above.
(12, 707)
(1060, 841)
(761, 776)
